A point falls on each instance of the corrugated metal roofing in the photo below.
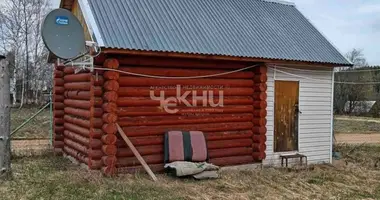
(243, 28)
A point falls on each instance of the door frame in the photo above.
(274, 117)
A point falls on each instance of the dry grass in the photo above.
(364, 125)
(354, 177)
(37, 128)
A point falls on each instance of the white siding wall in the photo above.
(315, 124)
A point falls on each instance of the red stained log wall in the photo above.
(89, 104)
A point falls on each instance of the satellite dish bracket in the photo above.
(87, 61)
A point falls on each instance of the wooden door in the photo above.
(286, 116)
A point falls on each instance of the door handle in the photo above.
(297, 108)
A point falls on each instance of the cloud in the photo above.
(369, 9)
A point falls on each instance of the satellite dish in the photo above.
(63, 34)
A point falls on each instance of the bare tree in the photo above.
(347, 97)
(20, 24)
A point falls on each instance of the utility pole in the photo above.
(5, 108)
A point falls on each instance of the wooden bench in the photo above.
(297, 155)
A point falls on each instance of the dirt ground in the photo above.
(358, 138)
(29, 147)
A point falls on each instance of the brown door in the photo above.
(286, 116)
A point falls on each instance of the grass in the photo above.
(361, 125)
(37, 128)
(48, 177)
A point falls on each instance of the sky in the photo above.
(347, 24)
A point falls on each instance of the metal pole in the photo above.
(28, 120)
(5, 113)
(51, 119)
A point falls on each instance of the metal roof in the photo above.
(242, 28)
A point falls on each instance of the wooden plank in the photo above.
(136, 153)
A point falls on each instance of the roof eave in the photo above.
(218, 57)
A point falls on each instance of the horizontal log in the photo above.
(160, 130)
(261, 78)
(260, 87)
(110, 96)
(143, 150)
(111, 85)
(109, 139)
(96, 133)
(109, 107)
(109, 160)
(59, 121)
(82, 86)
(147, 101)
(93, 143)
(260, 96)
(228, 135)
(159, 111)
(139, 168)
(111, 75)
(178, 72)
(175, 120)
(259, 104)
(132, 161)
(83, 95)
(58, 137)
(58, 144)
(109, 150)
(92, 164)
(59, 129)
(58, 74)
(109, 128)
(59, 82)
(259, 147)
(79, 95)
(97, 122)
(110, 118)
(179, 62)
(92, 153)
(232, 160)
(59, 113)
(78, 103)
(260, 113)
(111, 63)
(259, 121)
(98, 112)
(59, 90)
(240, 151)
(259, 138)
(141, 141)
(82, 77)
(258, 156)
(259, 130)
(59, 67)
(149, 82)
(58, 105)
(172, 91)
(223, 144)
(58, 98)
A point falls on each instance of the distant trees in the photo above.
(348, 97)
(20, 40)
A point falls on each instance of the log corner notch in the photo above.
(110, 116)
(259, 110)
(58, 109)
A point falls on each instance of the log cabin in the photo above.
(272, 67)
